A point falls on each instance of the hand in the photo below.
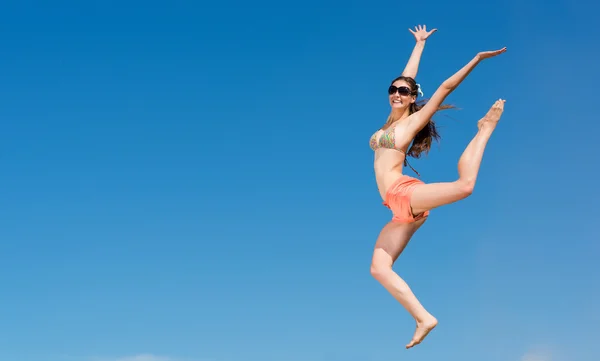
(421, 33)
(490, 54)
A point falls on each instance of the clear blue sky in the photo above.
(192, 181)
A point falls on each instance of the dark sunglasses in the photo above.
(403, 90)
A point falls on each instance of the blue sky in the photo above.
(192, 181)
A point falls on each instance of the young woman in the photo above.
(409, 199)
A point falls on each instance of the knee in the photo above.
(380, 271)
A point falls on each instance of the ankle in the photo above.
(426, 318)
(485, 129)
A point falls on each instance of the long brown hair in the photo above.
(422, 141)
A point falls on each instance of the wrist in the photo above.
(421, 42)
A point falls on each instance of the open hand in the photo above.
(421, 33)
(489, 54)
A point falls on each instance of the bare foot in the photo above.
(423, 329)
(489, 121)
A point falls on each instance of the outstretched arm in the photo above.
(421, 34)
(419, 119)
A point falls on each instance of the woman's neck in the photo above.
(399, 114)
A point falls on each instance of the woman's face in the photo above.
(400, 95)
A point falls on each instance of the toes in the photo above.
(499, 104)
(412, 343)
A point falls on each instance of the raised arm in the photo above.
(421, 34)
(420, 119)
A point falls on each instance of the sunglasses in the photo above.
(403, 90)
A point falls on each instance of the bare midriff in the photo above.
(388, 167)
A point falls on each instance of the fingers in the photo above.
(491, 53)
(419, 28)
(422, 28)
(501, 51)
(495, 52)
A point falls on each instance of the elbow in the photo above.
(448, 86)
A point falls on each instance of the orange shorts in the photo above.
(397, 199)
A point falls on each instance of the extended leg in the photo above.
(391, 242)
(429, 196)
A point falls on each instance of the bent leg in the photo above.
(429, 196)
(391, 242)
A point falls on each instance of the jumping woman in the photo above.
(409, 199)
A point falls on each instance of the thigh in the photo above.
(392, 240)
(429, 196)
